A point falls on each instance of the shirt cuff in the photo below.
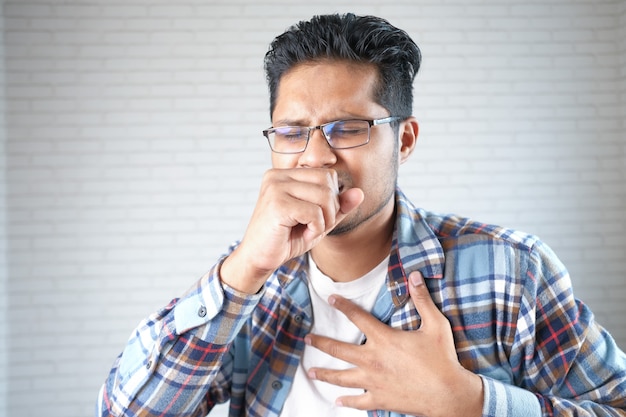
(503, 400)
(215, 306)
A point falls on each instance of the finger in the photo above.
(325, 179)
(359, 402)
(335, 206)
(326, 176)
(322, 196)
(362, 319)
(347, 378)
(308, 220)
(350, 199)
(422, 299)
(295, 202)
(345, 205)
(347, 352)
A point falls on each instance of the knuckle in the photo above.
(352, 312)
(269, 176)
(322, 375)
(329, 174)
(377, 365)
(334, 350)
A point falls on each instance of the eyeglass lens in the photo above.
(340, 135)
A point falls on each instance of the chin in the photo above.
(348, 224)
(359, 218)
(342, 229)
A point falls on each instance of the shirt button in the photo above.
(149, 365)
(202, 311)
(277, 385)
(298, 319)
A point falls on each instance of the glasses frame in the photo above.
(370, 122)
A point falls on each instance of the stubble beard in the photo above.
(359, 218)
(350, 224)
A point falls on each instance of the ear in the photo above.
(407, 136)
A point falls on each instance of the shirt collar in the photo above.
(415, 247)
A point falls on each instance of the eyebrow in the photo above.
(289, 123)
(293, 122)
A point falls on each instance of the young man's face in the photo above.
(315, 93)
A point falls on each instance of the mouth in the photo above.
(343, 182)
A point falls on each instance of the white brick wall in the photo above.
(134, 153)
(622, 71)
(4, 324)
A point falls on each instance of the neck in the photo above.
(351, 255)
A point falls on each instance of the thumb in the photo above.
(421, 297)
(350, 199)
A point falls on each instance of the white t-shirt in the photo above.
(310, 397)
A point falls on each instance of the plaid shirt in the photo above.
(508, 298)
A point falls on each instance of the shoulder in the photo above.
(482, 249)
(512, 260)
(452, 228)
(465, 231)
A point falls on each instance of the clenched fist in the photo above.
(296, 208)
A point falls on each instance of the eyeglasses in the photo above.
(341, 134)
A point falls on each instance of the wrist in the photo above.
(237, 273)
(469, 395)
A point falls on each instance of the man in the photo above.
(343, 297)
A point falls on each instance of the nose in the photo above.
(318, 153)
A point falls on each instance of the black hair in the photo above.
(361, 39)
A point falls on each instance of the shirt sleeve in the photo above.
(564, 362)
(175, 355)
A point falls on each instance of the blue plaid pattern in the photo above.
(508, 298)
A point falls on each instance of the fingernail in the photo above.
(307, 339)
(332, 300)
(339, 403)
(311, 374)
(416, 279)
